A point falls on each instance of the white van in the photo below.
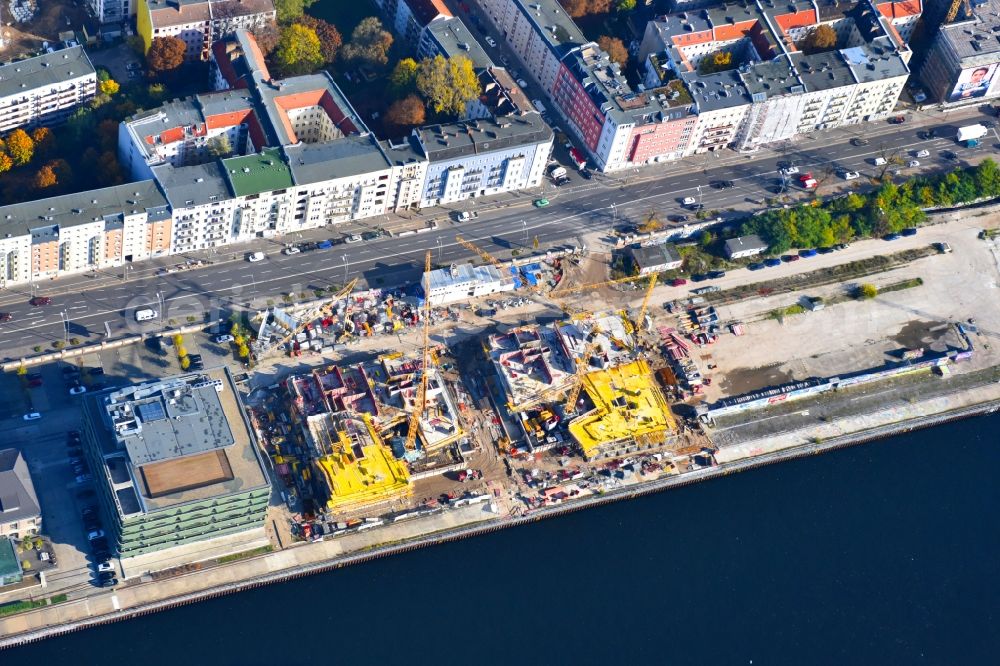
(254, 257)
(146, 314)
(537, 103)
(880, 161)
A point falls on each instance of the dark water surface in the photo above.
(880, 554)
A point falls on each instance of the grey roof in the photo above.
(268, 91)
(475, 137)
(744, 243)
(406, 151)
(717, 91)
(168, 419)
(84, 207)
(454, 38)
(875, 61)
(346, 156)
(458, 274)
(549, 19)
(18, 500)
(43, 70)
(655, 255)
(193, 185)
(970, 39)
(226, 101)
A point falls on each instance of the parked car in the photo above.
(105, 566)
(352, 238)
(467, 215)
(897, 120)
(678, 282)
(223, 339)
(841, 246)
(772, 262)
(679, 218)
(790, 170)
(859, 142)
(290, 249)
(254, 257)
(32, 416)
(715, 275)
(789, 258)
(943, 247)
(77, 390)
(492, 42)
(689, 201)
(913, 164)
(850, 175)
(805, 254)
(909, 231)
(699, 277)
(922, 153)
(97, 534)
(755, 267)
(824, 250)
(110, 582)
(891, 237)
(84, 478)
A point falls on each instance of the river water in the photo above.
(879, 554)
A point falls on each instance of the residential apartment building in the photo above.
(266, 158)
(112, 11)
(199, 23)
(20, 513)
(45, 89)
(964, 58)
(753, 84)
(175, 462)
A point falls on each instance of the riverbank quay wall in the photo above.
(302, 561)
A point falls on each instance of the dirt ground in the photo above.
(53, 17)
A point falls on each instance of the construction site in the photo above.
(546, 380)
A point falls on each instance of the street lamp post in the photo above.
(439, 252)
(525, 226)
(65, 318)
(344, 257)
(159, 299)
(614, 213)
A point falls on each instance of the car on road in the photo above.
(891, 237)
(678, 282)
(32, 416)
(913, 164)
(467, 215)
(40, 300)
(223, 339)
(755, 267)
(859, 142)
(850, 175)
(772, 262)
(897, 120)
(5, 316)
(540, 203)
(290, 249)
(949, 155)
(790, 170)
(805, 254)
(722, 184)
(678, 218)
(689, 201)
(789, 258)
(492, 42)
(352, 238)
(79, 389)
(715, 275)
(922, 153)
(909, 231)
(254, 257)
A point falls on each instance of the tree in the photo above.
(267, 36)
(615, 48)
(988, 178)
(706, 238)
(156, 92)
(404, 76)
(219, 146)
(369, 45)
(165, 54)
(625, 5)
(20, 147)
(820, 38)
(62, 170)
(448, 83)
(330, 40)
(404, 114)
(867, 291)
(107, 134)
(45, 140)
(578, 8)
(109, 171)
(110, 87)
(289, 10)
(298, 50)
(45, 177)
(6, 164)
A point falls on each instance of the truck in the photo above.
(578, 158)
(970, 135)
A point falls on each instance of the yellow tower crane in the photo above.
(597, 285)
(418, 407)
(641, 319)
(582, 365)
(322, 311)
(953, 10)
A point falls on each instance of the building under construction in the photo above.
(630, 414)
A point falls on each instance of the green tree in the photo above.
(706, 238)
(867, 291)
(219, 146)
(625, 5)
(6, 164)
(821, 38)
(20, 147)
(289, 10)
(988, 178)
(403, 79)
(110, 87)
(369, 45)
(298, 50)
(448, 83)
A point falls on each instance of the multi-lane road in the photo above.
(91, 307)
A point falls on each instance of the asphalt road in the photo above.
(91, 307)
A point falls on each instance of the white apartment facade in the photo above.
(46, 89)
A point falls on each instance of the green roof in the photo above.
(9, 565)
(253, 174)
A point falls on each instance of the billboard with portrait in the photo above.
(973, 83)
